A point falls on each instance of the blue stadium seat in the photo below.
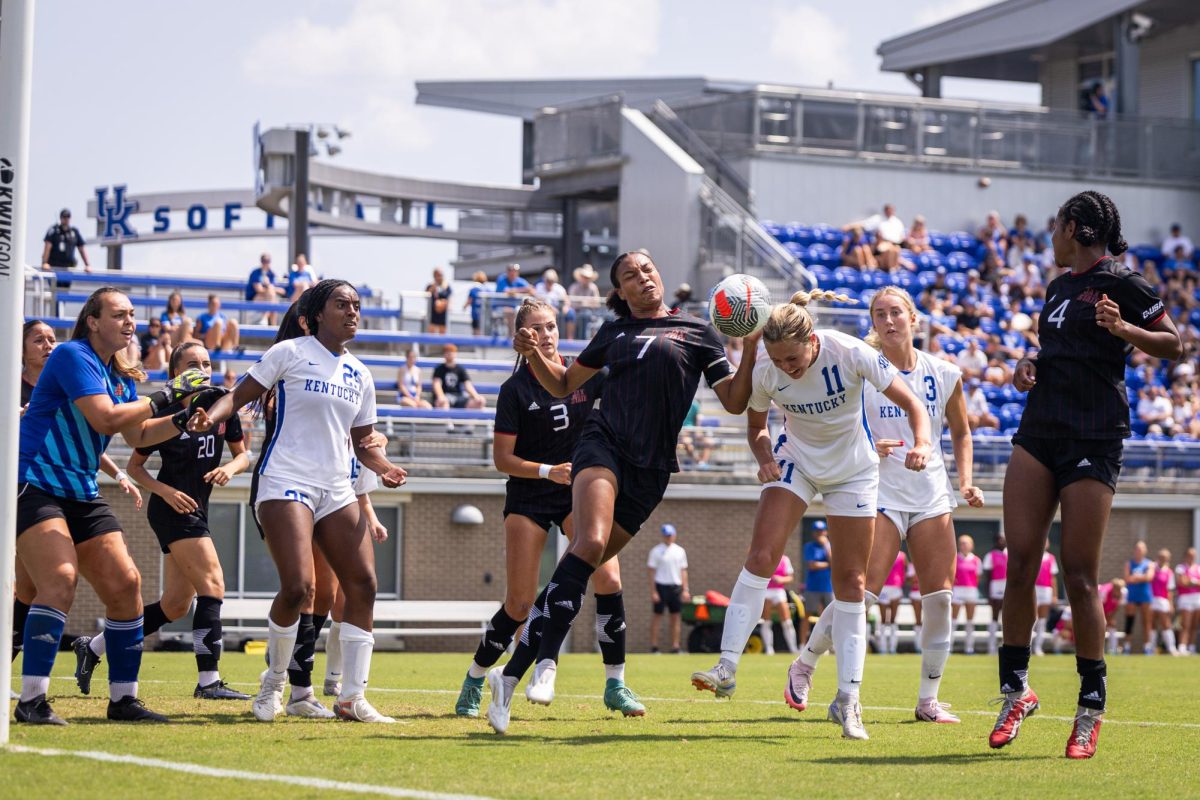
(939, 242)
(1010, 414)
(989, 326)
(848, 277)
(821, 273)
(961, 240)
(960, 261)
(930, 261)
(950, 344)
(905, 279)
(926, 278)
(1145, 252)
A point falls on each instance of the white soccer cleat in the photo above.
(357, 709)
(720, 680)
(333, 687)
(500, 708)
(930, 710)
(847, 712)
(308, 708)
(798, 685)
(268, 703)
(540, 688)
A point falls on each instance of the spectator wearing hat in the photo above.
(818, 579)
(475, 302)
(550, 291)
(668, 567)
(452, 386)
(60, 243)
(511, 284)
(585, 294)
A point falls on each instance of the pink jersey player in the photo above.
(893, 586)
(996, 562)
(1045, 579)
(1162, 583)
(784, 570)
(1111, 599)
(966, 570)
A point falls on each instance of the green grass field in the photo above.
(689, 744)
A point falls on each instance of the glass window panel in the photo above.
(223, 520)
(387, 566)
(261, 577)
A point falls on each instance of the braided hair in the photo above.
(1097, 221)
(316, 301)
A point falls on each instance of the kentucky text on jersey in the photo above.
(819, 407)
(896, 412)
(341, 392)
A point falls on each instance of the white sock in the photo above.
(544, 665)
(1152, 642)
(970, 637)
(766, 630)
(892, 638)
(935, 641)
(993, 634)
(1112, 640)
(789, 636)
(1039, 634)
(333, 653)
(1169, 640)
(97, 645)
(281, 641)
(301, 693)
(820, 639)
(918, 630)
(118, 691)
(850, 642)
(745, 606)
(209, 677)
(615, 672)
(32, 686)
(475, 671)
(357, 645)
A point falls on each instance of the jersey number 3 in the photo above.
(559, 414)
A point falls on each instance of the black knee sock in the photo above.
(610, 627)
(206, 633)
(1130, 621)
(1093, 682)
(496, 638)
(20, 612)
(319, 621)
(1014, 668)
(531, 639)
(300, 670)
(153, 618)
(564, 598)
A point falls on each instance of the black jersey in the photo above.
(1080, 390)
(546, 428)
(186, 459)
(26, 392)
(654, 368)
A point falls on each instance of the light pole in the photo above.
(327, 135)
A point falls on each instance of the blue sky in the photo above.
(162, 96)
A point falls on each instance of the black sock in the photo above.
(1014, 668)
(319, 621)
(1093, 682)
(206, 633)
(564, 598)
(496, 639)
(300, 670)
(610, 627)
(530, 641)
(1130, 621)
(153, 618)
(20, 612)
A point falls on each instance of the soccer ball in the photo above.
(739, 306)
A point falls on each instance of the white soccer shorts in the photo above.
(321, 502)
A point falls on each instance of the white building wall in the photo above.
(1166, 72)
(1060, 82)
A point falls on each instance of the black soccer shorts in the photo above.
(1071, 460)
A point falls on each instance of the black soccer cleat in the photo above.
(38, 712)
(218, 690)
(85, 663)
(131, 709)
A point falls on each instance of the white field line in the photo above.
(1107, 720)
(241, 775)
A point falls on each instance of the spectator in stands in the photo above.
(693, 437)
(176, 323)
(918, 237)
(1095, 101)
(585, 294)
(971, 360)
(993, 243)
(228, 378)
(452, 386)
(1029, 276)
(439, 291)
(260, 287)
(1178, 261)
(1177, 239)
(475, 302)
(154, 345)
(889, 234)
(300, 277)
(60, 243)
(998, 373)
(1154, 408)
(967, 317)
(550, 291)
(979, 414)
(513, 285)
(857, 251)
(409, 383)
(733, 350)
(217, 331)
(683, 296)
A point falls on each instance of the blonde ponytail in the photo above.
(803, 298)
(792, 322)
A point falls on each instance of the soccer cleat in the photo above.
(795, 694)
(308, 708)
(131, 709)
(847, 712)
(720, 680)
(85, 663)
(1013, 712)
(1085, 734)
(501, 706)
(619, 697)
(930, 710)
(268, 704)
(469, 698)
(357, 709)
(333, 687)
(218, 690)
(38, 712)
(540, 688)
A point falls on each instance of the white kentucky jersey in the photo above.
(823, 408)
(319, 398)
(362, 478)
(932, 380)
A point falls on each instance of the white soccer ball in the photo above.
(739, 306)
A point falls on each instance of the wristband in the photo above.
(544, 471)
(120, 476)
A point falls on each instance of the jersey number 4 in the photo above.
(1058, 315)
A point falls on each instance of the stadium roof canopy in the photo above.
(1008, 40)
(523, 98)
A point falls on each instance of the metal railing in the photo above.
(944, 132)
(575, 136)
(715, 165)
